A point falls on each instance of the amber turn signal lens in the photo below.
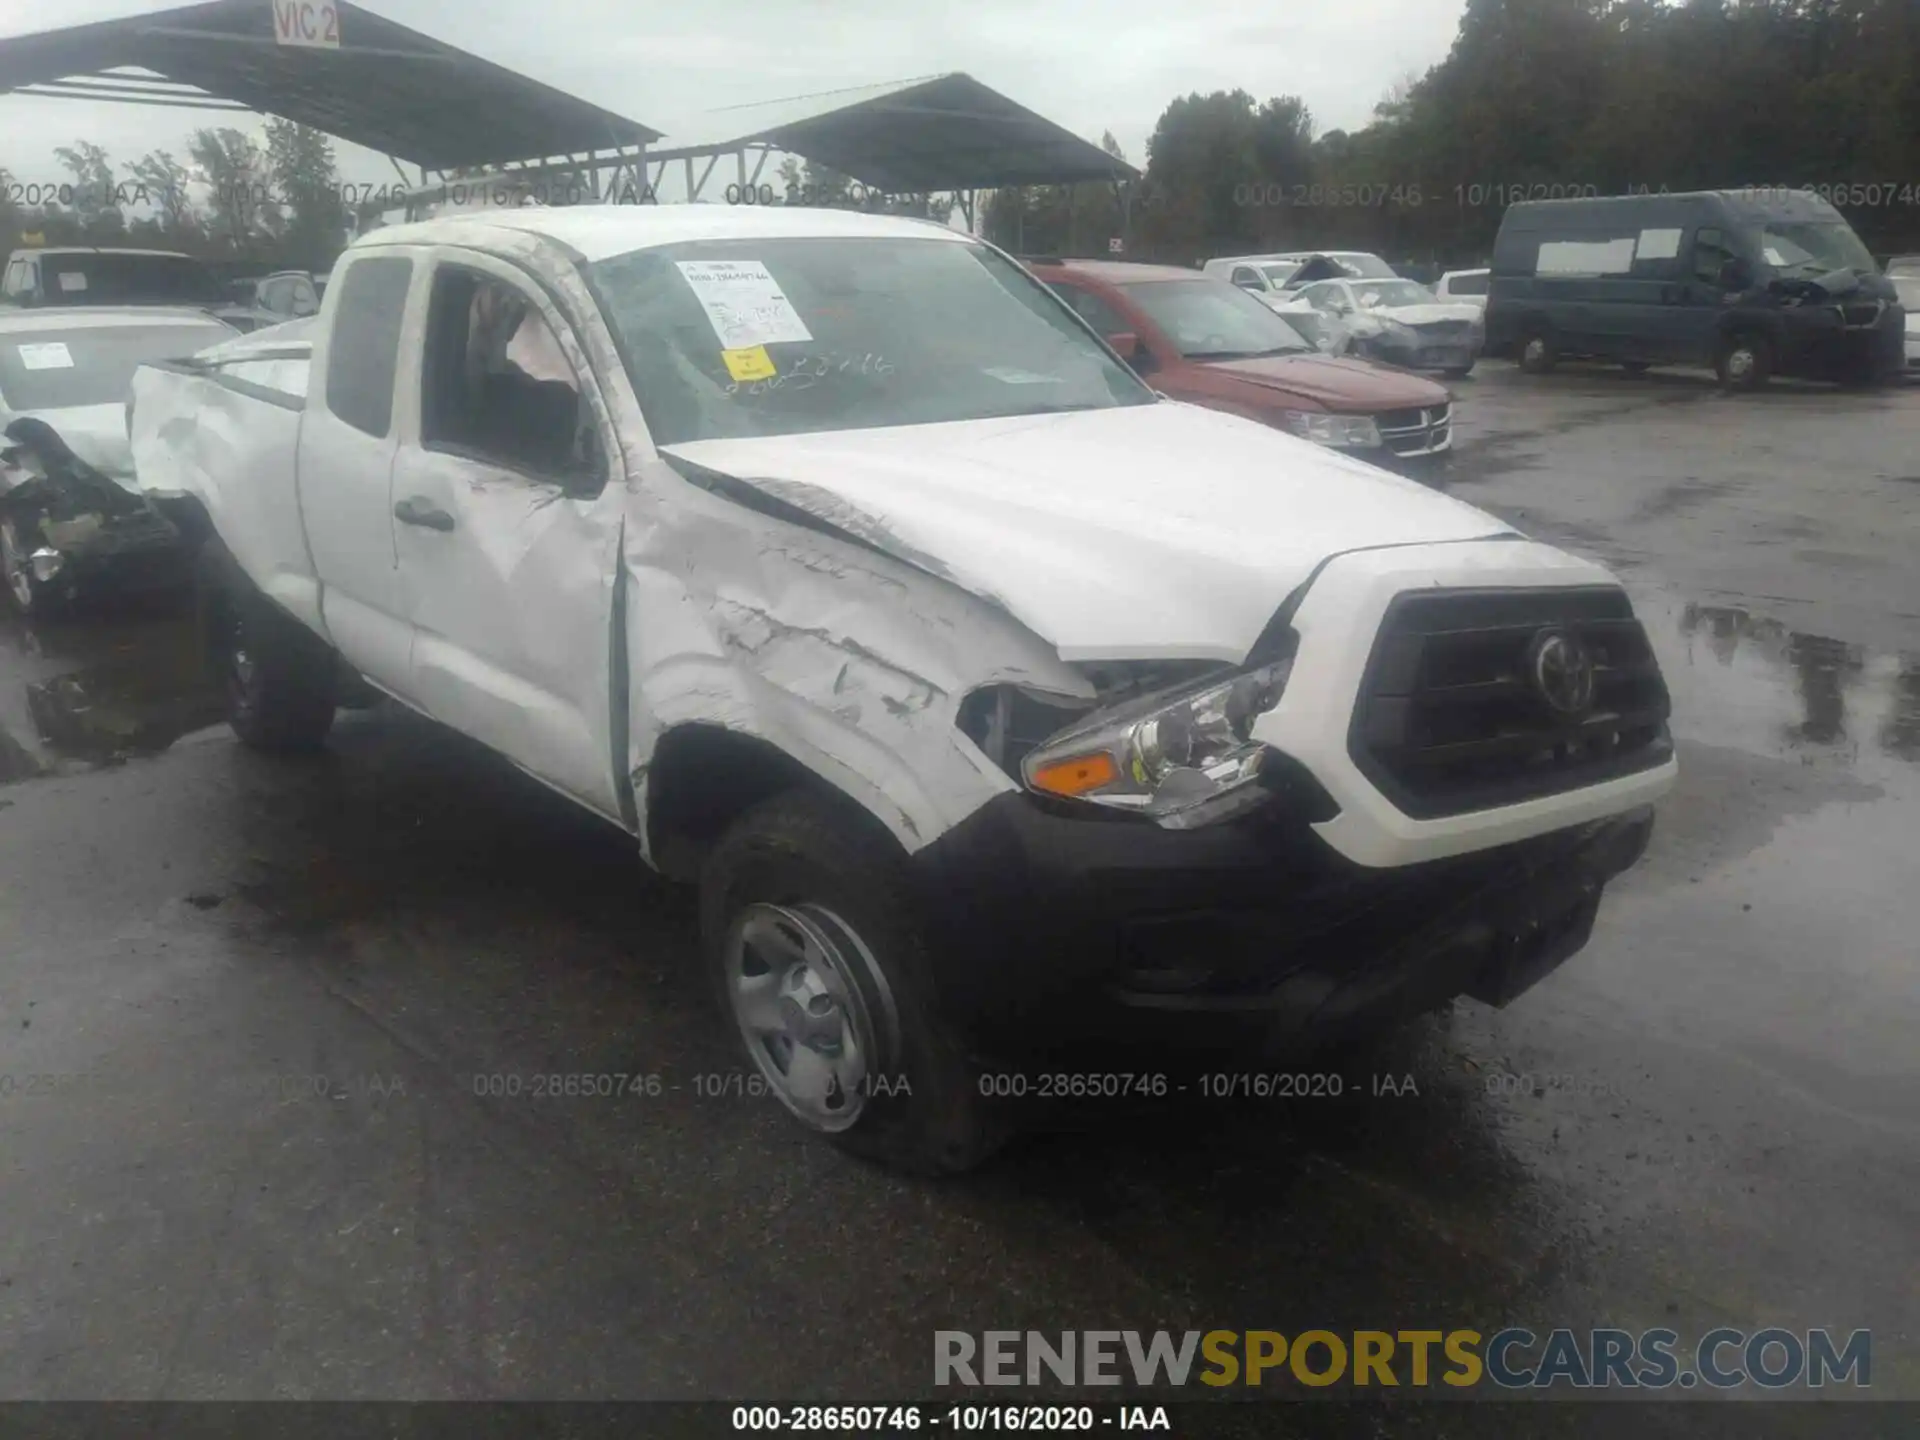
(1077, 774)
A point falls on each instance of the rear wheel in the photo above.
(278, 675)
(1458, 372)
(819, 957)
(1745, 362)
(1538, 354)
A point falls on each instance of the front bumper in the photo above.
(1425, 352)
(1061, 934)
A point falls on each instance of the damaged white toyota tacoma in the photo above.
(1006, 713)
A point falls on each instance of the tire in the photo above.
(1744, 361)
(1459, 372)
(1538, 353)
(29, 595)
(814, 943)
(279, 676)
(1635, 367)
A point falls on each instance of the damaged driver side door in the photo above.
(507, 511)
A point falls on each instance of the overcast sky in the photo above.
(1090, 65)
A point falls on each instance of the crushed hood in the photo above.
(97, 434)
(1144, 532)
(1336, 383)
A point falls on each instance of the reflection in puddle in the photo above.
(1843, 697)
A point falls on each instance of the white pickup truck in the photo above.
(1006, 713)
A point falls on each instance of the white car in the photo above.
(1907, 287)
(72, 517)
(1404, 323)
(1003, 711)
(1469, 287)
(1271, 277)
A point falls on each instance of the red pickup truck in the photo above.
(1197, 338)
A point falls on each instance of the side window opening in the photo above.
(496, 385)
(364, 350)
(1710, 255)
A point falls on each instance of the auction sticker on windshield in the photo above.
(744, 303)
(750, 364)
(51, 356)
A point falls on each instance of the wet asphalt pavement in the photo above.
(1709, 1117)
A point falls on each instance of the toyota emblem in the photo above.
(1561, 672)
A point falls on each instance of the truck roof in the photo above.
(600, 231)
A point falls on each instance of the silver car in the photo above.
(72, 516)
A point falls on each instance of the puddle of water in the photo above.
(1744, 680)
(99, 693)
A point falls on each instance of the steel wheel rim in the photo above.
(798, 979)
(1739, 362)
(1536, 350)
(19, 582)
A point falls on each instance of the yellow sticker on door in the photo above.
(752, 363)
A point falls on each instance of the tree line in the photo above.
(233, 198)
(1536, 99)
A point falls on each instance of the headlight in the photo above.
(1182, 759)
(1346, 432)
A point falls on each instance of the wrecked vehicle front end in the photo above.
(68, 530)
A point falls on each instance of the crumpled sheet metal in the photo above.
(235, 454)
(852, 662)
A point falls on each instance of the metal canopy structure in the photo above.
(940, 132)
(386, 87)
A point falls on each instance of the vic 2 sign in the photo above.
(306, 22)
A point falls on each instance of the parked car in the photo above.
(1904, 265)
(1199, 339)
(1401, 323)
(271, 300)
(1005, 713)
(1753, 283)
(1907, 287)
(72, 516)
(91, 276)
(1269, 275)
(1327, 333)
(1469, 287)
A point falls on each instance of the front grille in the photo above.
(1448, 719)
(1415, 432)
(1443, 332)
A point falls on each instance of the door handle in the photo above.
(416, 511)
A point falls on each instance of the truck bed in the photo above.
(223, 429)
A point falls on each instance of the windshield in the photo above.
(1393, 292)
(729, 339)
(106, 278)
(1211, 320)
(1279, 274)
(1367, 267)
(55, 368)
(1813, 247)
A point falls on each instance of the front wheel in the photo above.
(820, 960)
(1538, 355)
(1745, 362)
(1458, 372)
